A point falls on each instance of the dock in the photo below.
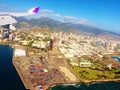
(26, 81)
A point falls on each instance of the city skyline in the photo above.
(103, 13)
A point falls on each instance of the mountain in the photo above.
(45, 22)
(57, 25)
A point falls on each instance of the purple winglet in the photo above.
(36, 10)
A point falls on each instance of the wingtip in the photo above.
(34, 10)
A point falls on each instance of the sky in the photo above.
(104, 14)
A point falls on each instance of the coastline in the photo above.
(10, 78)
(86, 82)
(25, 81)
(29, 86)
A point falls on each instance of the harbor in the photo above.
(9, 77)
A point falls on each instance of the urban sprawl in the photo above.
(44, 58)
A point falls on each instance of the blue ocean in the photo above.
(90, 86)
(116, 58)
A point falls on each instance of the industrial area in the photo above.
(42, 70)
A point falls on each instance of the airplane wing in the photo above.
(6, 17)
(30, 12)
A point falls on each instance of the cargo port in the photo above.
(40, 70)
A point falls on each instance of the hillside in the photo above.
(57, 25)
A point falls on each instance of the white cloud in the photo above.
(46, 11)
(57, 15)
(82, 21)
(63, 18)
(75, 20)
(69, 17)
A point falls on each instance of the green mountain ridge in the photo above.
(57, 25)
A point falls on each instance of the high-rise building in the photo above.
(98, 43)
(11, 37)
(51, 44)
(118, 46)
(3, 35)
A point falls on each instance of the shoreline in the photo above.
(18, 71)
(86, 82)
(25, 82)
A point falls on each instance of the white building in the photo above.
(85, 63)
(40, 44)
(19, 52)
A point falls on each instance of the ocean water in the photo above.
(91, 86)
(9, 78)
(116, 58)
